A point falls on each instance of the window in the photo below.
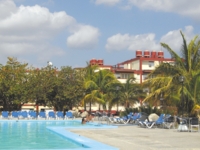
(126, 75)
(118, 76)
(151, 63)
(132, 66)
(145, 76)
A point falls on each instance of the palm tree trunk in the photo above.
(5, 108)
(84, 106)
(90, 106)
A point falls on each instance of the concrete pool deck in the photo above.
(130, 137)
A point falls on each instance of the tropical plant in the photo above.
(96, 84)
(164, 80)
(114, 95)
(129, 110)
(144, 109)
(149, 110)
(132, 92)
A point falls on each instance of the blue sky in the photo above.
(71, 32)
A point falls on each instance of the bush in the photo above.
(148, 110)
(128, 111)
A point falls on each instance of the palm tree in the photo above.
(96, 84)
(165, 79)
(124, 94)
(89, 85)
(114, 95)
(132, 92)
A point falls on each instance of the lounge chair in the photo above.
(130, 115)
(32, 115)
(124, 120)
(194, 123)
(15, 115)
(60, 115)
(145, 123)
(98, 116)
(119, 120)
(22, 114)
(5, 115)
(111, 120)
(42, 114)
(160, 120)
(51, 114)
(150, 124)
(135, 117)
(169, 122)
(143, 117)
(19, 114)
(104, 116)
(114, 120)
(69, 115)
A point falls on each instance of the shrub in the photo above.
(146, 109)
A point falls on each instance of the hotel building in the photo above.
(139, 67)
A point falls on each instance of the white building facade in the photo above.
(139, 67)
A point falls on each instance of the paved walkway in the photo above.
(136, 138)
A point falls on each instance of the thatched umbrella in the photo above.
(84, 114)
(153, 117)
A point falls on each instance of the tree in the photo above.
(41, 84)
(96, 84)
(114, 95)
(58, 89)
(13, 85)
(71, 87)
(128, 95)
(124, 94)
(166, 76)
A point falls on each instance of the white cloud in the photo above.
(118, 42)
(182, 7)
(132, 42)
(35, 21)
(107, 2)
(29, 30)
(84, 36)
(148, 42)
(7, 8)
(174, 38)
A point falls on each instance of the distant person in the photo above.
(84, 120)
(88, 118)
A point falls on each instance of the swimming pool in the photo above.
(45, 135)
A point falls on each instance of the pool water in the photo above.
(34, 135)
